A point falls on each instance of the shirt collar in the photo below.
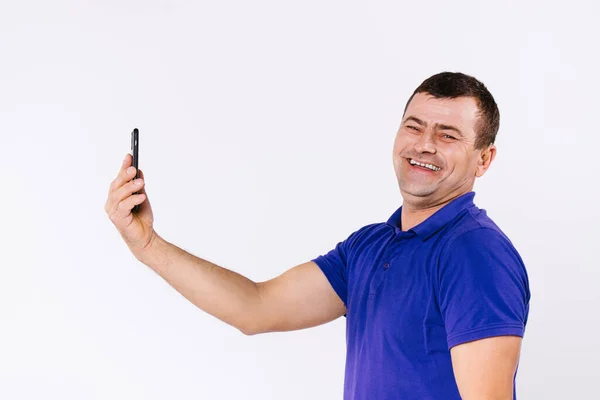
(436, 221)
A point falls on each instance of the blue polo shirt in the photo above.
(412, 295)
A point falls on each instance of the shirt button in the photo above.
(386, 265)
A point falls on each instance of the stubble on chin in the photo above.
(416, 191)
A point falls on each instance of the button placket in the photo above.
(379, 277)
(383, 268)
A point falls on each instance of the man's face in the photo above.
(441, 133)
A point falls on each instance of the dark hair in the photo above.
(455, 84)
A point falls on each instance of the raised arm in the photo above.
(298, 298)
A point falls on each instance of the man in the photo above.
(436, 298)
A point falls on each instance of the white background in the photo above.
(266, 131)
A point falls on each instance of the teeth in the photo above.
(430, 166)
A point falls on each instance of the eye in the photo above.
(449, 137)
(413, 128)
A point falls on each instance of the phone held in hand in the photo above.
(135, 145)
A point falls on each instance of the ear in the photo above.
(485, 159)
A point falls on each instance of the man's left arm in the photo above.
(484, 300)
(484, 369)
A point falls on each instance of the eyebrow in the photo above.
(417, 120)
(438, 126)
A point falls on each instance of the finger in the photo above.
(117, 196)
(125, 206)
(116, 192)
(126, 174)
(122, 194)
(141, 176)
(135, 186)
(128, 189)
(143, 190)
(127, 161)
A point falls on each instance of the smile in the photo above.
(430, 166)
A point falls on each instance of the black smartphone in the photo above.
(135, 151)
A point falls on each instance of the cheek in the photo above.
(462, 163)
(400, 143)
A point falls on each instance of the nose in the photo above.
(425, 144)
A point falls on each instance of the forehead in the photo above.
(461, 112)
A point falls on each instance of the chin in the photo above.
(422, 186)
(416, 190)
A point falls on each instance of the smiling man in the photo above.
(436, 299)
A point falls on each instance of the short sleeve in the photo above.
(334, 265)
(483, 287)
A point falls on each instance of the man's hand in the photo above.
(136, 229)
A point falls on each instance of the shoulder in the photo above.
(478, 248)
(476, 230)
(477, 245)
(366, 235)
(359, 237)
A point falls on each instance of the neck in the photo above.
(413, 216)
(413, 213)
